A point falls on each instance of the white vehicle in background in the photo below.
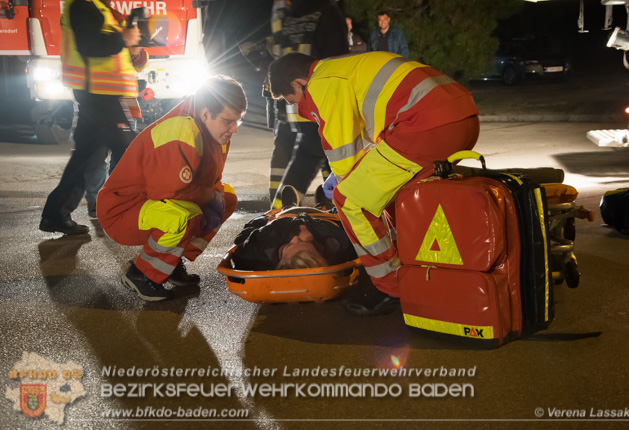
(30, 40)
(619, 39)
(619, 137)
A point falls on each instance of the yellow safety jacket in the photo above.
(114, 75)
(358, 100)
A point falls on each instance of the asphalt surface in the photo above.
(583, 97)
(61, 298)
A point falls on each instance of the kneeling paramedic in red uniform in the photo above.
(383, 120)
(166, 192)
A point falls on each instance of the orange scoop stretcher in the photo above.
(294, 285)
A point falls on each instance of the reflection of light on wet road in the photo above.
(585, 183)
(225, 321)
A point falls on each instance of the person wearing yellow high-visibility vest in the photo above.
(99, 63)
(383, 119)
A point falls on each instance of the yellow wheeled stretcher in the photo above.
(562, 211)
(294, 285)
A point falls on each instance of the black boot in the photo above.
(321, 201)
(181, 278)
(146, 289)
(372, 302)
(91, 209)
(290, 197)
(68, 227)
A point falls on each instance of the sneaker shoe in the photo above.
(290, 197)
(374, 302)
(321, 201)
(91, 209)
(181, 278)
(68, 227)
(146, 289)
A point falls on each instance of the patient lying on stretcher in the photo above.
(294, 238)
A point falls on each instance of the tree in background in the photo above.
(453, 36)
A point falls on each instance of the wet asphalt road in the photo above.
(61, 298)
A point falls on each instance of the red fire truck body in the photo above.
(30, 32)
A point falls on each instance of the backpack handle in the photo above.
(444, 168)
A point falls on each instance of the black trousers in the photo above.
(283, 145)
(306, 160)
(102, 125)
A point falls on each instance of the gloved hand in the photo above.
(213, 213)
(328, 186)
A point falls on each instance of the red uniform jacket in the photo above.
(174, 158)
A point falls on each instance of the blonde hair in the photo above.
(302, 260)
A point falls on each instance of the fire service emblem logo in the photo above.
(33, 399)
(185, 175)
(39, 387)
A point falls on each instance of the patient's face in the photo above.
(302, 242)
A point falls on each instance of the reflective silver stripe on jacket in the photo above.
(378, 83)
(421, 90)
(348, 150)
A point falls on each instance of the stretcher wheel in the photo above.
(570, 231)
(572, 274)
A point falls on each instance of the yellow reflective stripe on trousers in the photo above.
(542, 221)
(169, 216)
(466, 330)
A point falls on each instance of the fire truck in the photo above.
(30, 43)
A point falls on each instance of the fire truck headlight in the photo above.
(50, 88)
(42, 74)
(188, 80)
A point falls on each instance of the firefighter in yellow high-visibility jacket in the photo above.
(383, 120)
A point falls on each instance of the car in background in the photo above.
(528, 58)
